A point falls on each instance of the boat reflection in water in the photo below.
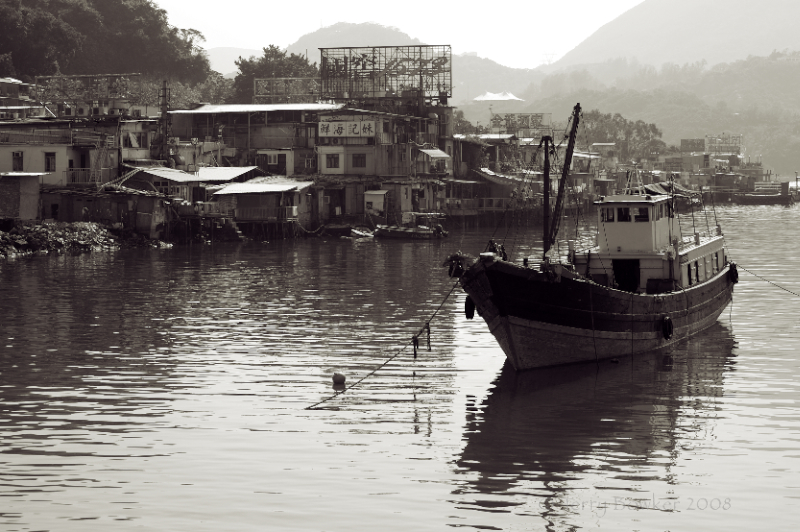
(565, 444)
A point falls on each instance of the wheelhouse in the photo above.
(640, 247)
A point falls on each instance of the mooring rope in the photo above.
(766, 280)
(414, 342)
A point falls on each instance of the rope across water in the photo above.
(412, 342)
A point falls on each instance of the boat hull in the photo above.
(542, 319)
(406, 233)
(764, 199)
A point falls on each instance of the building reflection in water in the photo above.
(557, 442)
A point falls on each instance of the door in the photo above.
(626, 274)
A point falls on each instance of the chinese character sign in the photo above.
(387, 72)
(347, 129)
(517, 123)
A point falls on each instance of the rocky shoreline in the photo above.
(19, 239)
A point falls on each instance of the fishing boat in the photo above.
(417, 225)
(642, 286)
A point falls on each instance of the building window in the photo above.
(272, 159)
(17, 165)
(359, 160)
(49, 162)
(332, 160)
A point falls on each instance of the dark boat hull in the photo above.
(542, 319)
(764, 199)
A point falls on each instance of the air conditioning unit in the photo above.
(336, 141)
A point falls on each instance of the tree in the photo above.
(216, 89)
(275, 63)
(47, 37)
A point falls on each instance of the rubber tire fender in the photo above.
(667, 327)
(733, 273)
(469, 308)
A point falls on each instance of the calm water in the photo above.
(166, 390)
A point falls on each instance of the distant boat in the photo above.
(756, 198)
(643, 287)
(419, 225)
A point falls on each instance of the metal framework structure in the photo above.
(387, 72)
(286, 90)
(724, 143)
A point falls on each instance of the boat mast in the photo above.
(546, 140)
(551, 238)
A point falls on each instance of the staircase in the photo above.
(119, 180)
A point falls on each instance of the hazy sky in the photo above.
(516, 33)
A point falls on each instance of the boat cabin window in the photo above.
(623, 214)
(641, 214)
(696, 272)
(689, 272)
(716, 262)
(607, 215)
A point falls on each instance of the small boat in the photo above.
(642, 287)
(755, 198)
(418, 225)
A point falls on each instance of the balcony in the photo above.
(65, 136)
(83, 176)
(461, 207)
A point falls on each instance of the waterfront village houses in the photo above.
(343, 152)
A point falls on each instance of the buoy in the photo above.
(338, 378)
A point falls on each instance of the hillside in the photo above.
(773, 135)
(686, 31)
(46, 37)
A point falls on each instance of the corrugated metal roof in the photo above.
(262, 188)
(23, 174)
(171, 174)
(222, 173)
(435, 154)
(255, 108)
